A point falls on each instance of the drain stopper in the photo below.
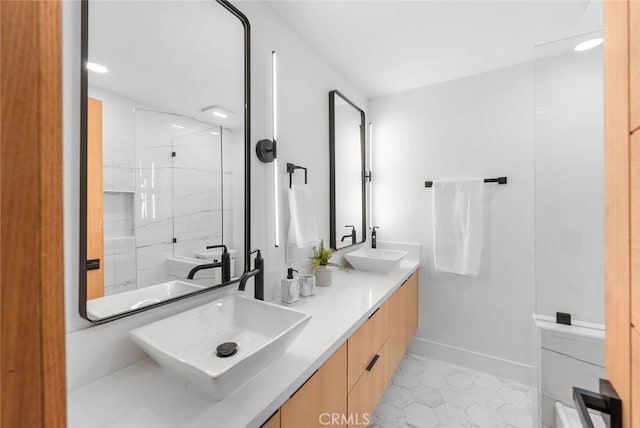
(226, 349)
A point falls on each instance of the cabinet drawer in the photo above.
(368, 390)
(364, 344)
(323, 395)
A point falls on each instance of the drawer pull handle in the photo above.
(374, 312)
(373, 362)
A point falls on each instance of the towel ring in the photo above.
(291, 169)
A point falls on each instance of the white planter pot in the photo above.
(324, 276)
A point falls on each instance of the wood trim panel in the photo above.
(95, 198)
(617, 210)
(635, 229)
(634, 65)
(32, 353)
(635, 377)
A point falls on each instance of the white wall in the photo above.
(481, 126)
(305, 80)
(569, 136)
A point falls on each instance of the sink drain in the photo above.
(226, 349)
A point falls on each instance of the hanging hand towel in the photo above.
(457, 226)
(303, 230)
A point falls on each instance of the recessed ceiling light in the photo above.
(175, 125)
(214, 132)
(588, 44)
(98, 68)
(218, 110)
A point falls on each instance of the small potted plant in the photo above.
(322, 265)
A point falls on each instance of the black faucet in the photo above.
(351, 235)
(374, 238)
(225, 264)
(258, 273)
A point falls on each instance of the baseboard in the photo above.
(496, 366)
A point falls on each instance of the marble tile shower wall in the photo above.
(152, 197)
(177, 197)
(197, 177)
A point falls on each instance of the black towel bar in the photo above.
(499, 180)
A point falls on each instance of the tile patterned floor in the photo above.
(428, 393)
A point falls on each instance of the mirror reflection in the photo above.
(346, 140)
(164, 152)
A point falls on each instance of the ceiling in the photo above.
(385, 47)
(178, 57)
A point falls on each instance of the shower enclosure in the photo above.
(569, 236)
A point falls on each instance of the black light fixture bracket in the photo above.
(266, 150)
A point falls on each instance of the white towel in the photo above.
(457, 226)
(303, 229)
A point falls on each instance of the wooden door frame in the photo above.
(32, 346)
(618, 272)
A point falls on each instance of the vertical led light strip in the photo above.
(276, 187)
(370, 175)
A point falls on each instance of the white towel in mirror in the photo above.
(457, 226)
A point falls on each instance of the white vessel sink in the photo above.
(375, 259)
(185, 344)
(106, 306)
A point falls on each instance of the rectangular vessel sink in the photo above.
(106, 306)
(375, 259)
(186, 344)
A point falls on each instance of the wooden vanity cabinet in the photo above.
(400, 316)
(352, 381)
(324, 394)
(273, 422)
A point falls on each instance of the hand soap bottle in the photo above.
(290, 288)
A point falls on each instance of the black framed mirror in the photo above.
(347, 171)
(164, 159)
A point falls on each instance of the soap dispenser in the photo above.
(290, 288)
(374, 237)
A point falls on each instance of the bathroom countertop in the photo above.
(143, 395)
